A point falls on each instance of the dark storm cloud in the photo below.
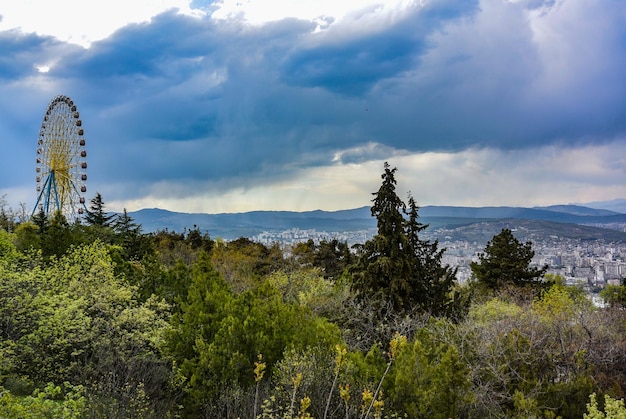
(21, 53)
(354, 65)
(184, 98)
(353, 68)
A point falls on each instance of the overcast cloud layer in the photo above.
(237, 106)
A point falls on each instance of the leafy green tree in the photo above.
(8, 251)
(218, 335)
(506, 261)
(332, 257)
(74, 320)
(430, 379)
(307, 287)
(201, 311)
(303, 253)
(614, 295)
(613, 409)
(50, 402)
(244, 263)
(526, 361)
(27, 237)
(199, 241)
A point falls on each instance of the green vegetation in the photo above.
(100, 320)
(506, 262)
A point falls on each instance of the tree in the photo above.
(430, 379)
(332, 257)
(396, 265)
(614, 295)
(27, 237)
(383, 269)
(96, 215)
(40, 219)
(56, 239)
(506, 261)
(434, 279)
(74, 320)
(7, 217)
(128, 235)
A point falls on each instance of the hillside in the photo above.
(466, 223)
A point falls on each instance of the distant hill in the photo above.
(617, 205)
(525, 230)
(248, 224)
(561, 220)
(578, 210)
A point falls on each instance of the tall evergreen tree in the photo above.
(383, 269)
(96, 215)
(128, 234)
(432, 281)
(40, 219)
(124, 224)
(396, 266)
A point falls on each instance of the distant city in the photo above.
(590, 264)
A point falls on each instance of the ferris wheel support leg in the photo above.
(46, 202)
(56, 194)
(39, 197)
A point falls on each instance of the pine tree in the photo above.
(506, 261)
(432, 281)
(396, 266)
(125, 225)
(40, 219)
(96, 215)
(128, 234)
(383, 269)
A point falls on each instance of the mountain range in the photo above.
(576, 221)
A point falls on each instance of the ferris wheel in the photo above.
(61, 161)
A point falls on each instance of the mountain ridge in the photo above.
(249, 224)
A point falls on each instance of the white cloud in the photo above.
(84, 22)
(263, 11)
(79, 21)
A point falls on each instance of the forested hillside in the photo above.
(102, 320)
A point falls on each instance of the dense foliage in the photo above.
(506, 262)
(102, 320)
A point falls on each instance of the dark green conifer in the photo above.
(96, 215)
(396, 266)
(506, 261)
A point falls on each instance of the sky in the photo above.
(241, 105)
